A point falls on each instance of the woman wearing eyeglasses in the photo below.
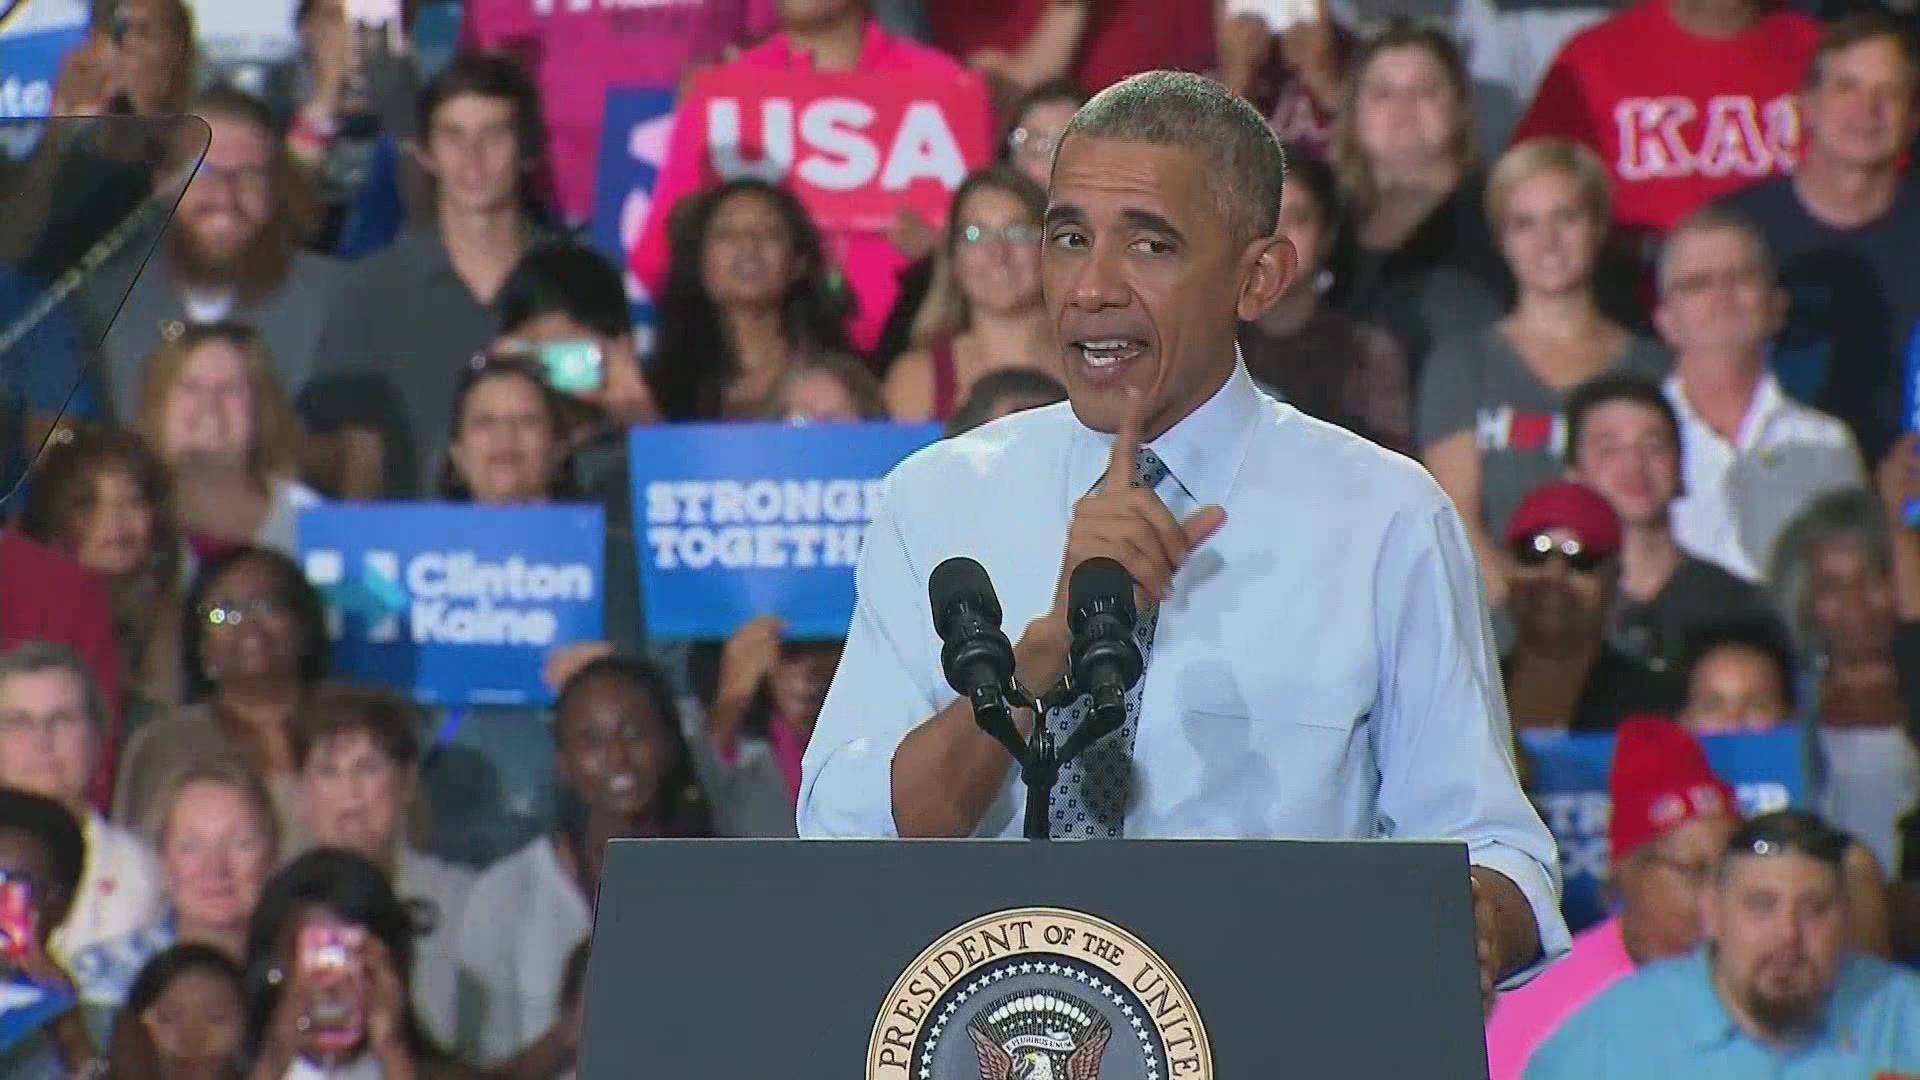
(985, 311)
(1561, 673)
(255, 646)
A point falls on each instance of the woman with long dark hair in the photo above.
(327, 975)
(508, 444)
(748, 291)
(254, 647)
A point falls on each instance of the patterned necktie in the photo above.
(1090, 796)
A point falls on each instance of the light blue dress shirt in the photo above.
(1324, 668)
(1666, 1021)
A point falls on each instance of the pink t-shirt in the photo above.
(871, 263)
(1523, 1019)
(580, 49)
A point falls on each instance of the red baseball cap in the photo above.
(1576, 508)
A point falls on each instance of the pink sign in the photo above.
(855, 148)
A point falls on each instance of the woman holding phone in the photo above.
(326, 977)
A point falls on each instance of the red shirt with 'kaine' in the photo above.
(1679, 119)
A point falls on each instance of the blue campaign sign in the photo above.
(35, 36)
(633, 150)
(27, 1007)
(758, 519)
(1767, 771)
(456, 604)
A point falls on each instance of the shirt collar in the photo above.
(1708, 1023)
(1203, 451)
(874, 45)
(1768, 400)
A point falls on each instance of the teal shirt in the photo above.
(1666, 1021)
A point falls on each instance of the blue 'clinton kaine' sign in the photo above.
(740, 520)
(1767, 772)
(456, 604)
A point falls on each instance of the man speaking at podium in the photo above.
(1318, 656)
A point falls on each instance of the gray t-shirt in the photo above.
(1478, 383)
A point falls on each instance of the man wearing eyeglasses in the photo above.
(1561, 672)
(1752, 457)
(1671, 819)
(1773, 991)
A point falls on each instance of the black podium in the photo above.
(1009, 960)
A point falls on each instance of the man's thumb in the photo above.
(1203, 523)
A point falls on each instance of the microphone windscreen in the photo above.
(962, 579)
(1102, 581)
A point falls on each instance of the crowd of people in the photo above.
(1652, 334)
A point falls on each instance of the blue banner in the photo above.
(456, 604)
(1767, 771)
(633, 151)
(25, 1008)
(758, 519)
(35, 37)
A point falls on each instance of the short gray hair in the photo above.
(1712, 218)
(1245, 163)
(39, 657)
(1851, 516)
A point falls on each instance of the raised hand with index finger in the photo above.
(1129, 525)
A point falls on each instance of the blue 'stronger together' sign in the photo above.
(456, 604)
(739, 520)
(1767, 771)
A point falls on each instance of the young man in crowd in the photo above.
(44, 853)
(1751, 457)
(1562, 672)
(1671, 819)
(1843, 228)
(815, 35)
(51, 718)
(417, 313)
(1713, 114)
(357, 754)
(233, 253)
(1775, 989)
(1623, 441)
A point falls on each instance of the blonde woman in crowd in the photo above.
(1490, 424)
(213, 410)
(219, 841)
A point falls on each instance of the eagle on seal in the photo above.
(1082, 1062)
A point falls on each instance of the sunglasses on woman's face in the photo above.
(1537, 551)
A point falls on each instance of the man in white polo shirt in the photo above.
(1752, 457)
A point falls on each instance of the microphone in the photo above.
(1105, 659)
(975, 654)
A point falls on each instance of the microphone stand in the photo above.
(1039, 758)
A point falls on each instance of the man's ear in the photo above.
(1270, 265)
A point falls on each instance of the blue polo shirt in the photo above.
(1666, 1021)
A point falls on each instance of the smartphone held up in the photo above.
(16, 919)
(335, 978)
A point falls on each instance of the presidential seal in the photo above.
(1039, 994)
